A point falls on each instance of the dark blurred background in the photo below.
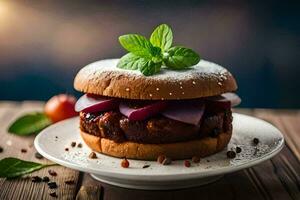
(43, 44)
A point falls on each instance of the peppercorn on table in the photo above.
(277, 178)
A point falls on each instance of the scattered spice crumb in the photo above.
(93, 155)
(36, 179)
(1, 149)
(38, 155)
(231, 154)
(66, 149)
(73, 144)
(238, 149)
(125, 163)
(46, 179)
(187, 163)
(56, 137)
(79, 145)
(70, 182)
(23, 150)
(167, 161)
(255, 141)
(53, 194)
(161, 158)
(146, 166)
(52, 172)
(196, 159)
(52, 185)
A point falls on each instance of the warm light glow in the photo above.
(4, 13)
(3, 8)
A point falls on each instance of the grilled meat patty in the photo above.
(155, 130)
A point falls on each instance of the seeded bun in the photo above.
(181, 150)
(202, 80)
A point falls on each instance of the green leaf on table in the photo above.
(180, 58)
(162, 37)
(137, 45)
(14, 167)
(30, 123)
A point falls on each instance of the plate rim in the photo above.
(166, 177)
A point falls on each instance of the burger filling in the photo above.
(163, 125)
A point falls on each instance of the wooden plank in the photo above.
(278, 177)
(12, 144)
(232, 186)
(89, 193)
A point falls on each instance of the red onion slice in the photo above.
(187, 112)
(233, 98)
(89, 103)
(142, 112)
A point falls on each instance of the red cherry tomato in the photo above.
(60, 107)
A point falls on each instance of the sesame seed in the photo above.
(194, 83)
(9, 143)
(150, 95)
(182, 93)
(170, 93)
(162, 99)
(181, 87)
(180, 83)
(157, 89)
(127, 89)
(219, 83)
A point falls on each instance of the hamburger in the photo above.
(177, 113)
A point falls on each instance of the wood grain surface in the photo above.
(278, 178)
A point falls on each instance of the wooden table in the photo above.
(278, 178)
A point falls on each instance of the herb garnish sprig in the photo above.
(148, 56)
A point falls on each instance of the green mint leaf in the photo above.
(29, 124)
(148, 56)
(137, 45)
(156, 52)
(149, 67)
(180, 57)
(162, 37)
(129, 61)
(14, 167)
(132, 62)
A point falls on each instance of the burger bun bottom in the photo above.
(181, 150)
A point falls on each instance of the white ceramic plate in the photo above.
(52, 141)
